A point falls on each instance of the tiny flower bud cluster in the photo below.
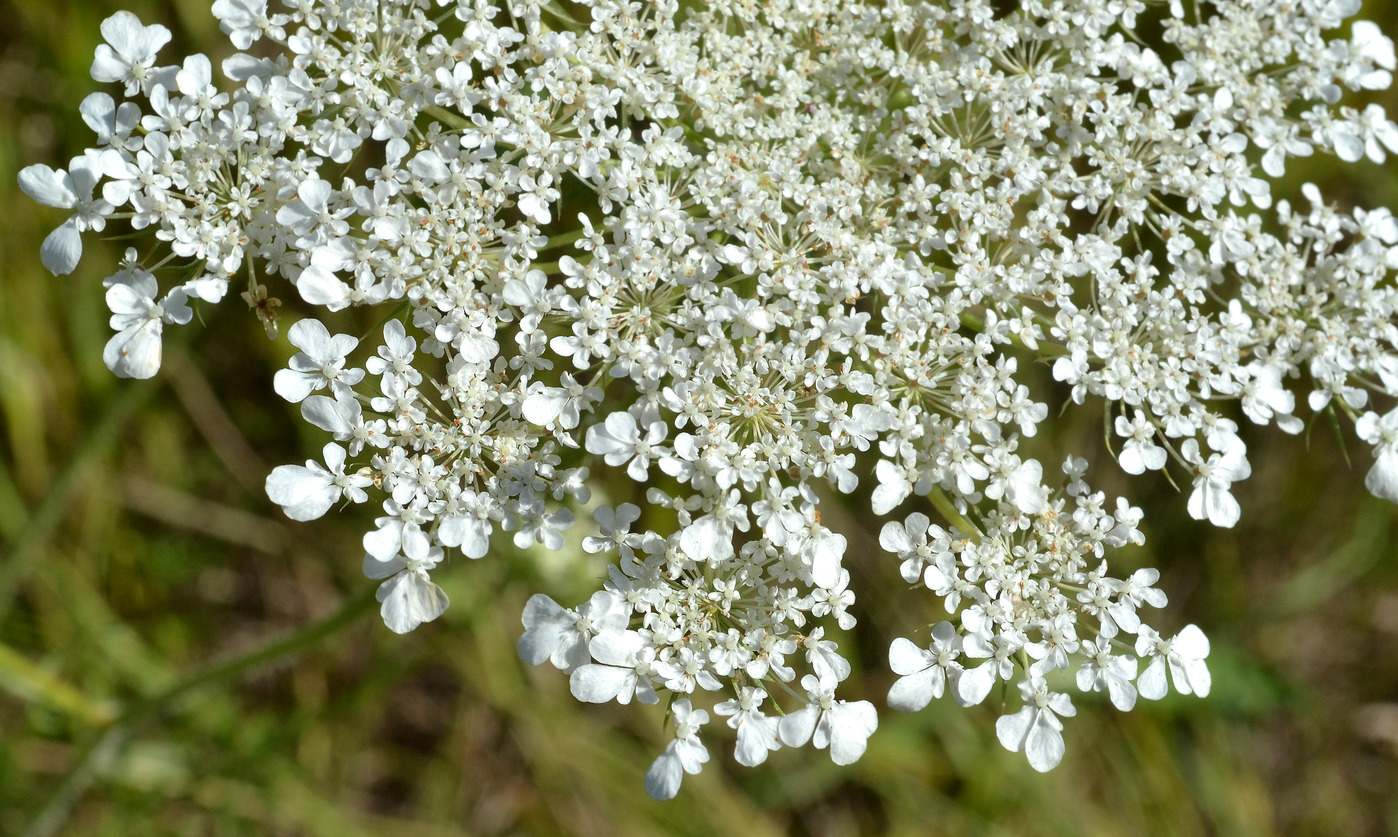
(735, 251)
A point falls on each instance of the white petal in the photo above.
(545, 623)
(1029, 495)
(663, 778)
(892, 489)
(599, 684)
(48, 187)
(1191, 642)
(1130, 460)
(63, 248)
(303, 494)
(851, 724)
(125, 32)
(1348, 147)
(107, 66)
(477, 348)
(543, 407)
(905, 657)
(707, 539)
(692, 753)
(1195, 505)
(131, 299)
(1012, 730)
(1223, 509)
(916, 690)
(795, 729)
(618, 648)
(310, 336)
(975, 683)
(469, 532)
(319, 286)
(385, 542)
(1382, 479)
(894, 538)
(330, 414)
(1200, 680)
(376, 569)
(1122, 693)
(294, 386)
(1044, 744)
(1151, 684)
(825, 560)
(756, 738)
(409, 599)
(134, 352)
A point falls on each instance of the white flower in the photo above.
(824, 657)
(408, 597)
(1211, 499)
(63, 247)
(824, 550)
(561, 636)
(1139, 453)
(756, 311)
(1183, 655)
(129, 53)
(916, 541)
(244, 21)
(395, 356)
(1035, 728)
(684, 754)
(135, 350)
(1382, 433)
(535, 526)
(924, 674)
(320, 363)
(1020, 483)
(622, 670)
(619, 439)
(843, 726)
(757, 733)
(1102, 670)
(466, 522)
(112, 123)
(305, 493)
(1264, 398)
(1376, 49)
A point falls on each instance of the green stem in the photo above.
(441, 114)
(287, 645)
(943, 504)
(561, 239)
(104, 752)
(393, 313)
(27, 681)
(26, 550)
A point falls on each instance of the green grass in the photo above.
(177, 658)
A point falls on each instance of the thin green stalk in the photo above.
(562, 238)
(104, 752)
(943, 504)
(441, 114)
(25, 679)
(289, 644)
(23, 555)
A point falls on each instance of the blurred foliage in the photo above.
(158, 675)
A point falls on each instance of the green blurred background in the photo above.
(177, 658)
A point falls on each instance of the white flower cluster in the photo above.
(735, 250)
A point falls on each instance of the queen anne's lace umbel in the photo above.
(735, 250)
